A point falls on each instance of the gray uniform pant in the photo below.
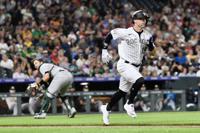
(60, 83)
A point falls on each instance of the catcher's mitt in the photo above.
(32, 89)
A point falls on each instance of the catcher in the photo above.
(56, 80)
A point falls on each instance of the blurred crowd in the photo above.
(70, 33)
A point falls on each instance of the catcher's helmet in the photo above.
(140, 14)
(37, 58)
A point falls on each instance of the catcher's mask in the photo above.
(141, 15)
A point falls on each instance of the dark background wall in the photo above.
(182, 83)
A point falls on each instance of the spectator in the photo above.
(6, 62)
(180, 58)
(45, 56)
(3, 47)
(81, 61)
(63, 60)
(18, 74)
(76, 26)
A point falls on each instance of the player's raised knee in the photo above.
(139, 82)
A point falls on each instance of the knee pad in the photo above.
(49, 95)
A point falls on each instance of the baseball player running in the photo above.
(132, 44)
(59, 80)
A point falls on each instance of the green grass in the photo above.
(162, 122)
(100, 130)
(163, 118)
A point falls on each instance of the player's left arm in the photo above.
(45, 80)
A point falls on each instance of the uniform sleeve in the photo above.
(41, 69)
(44, 68)
(116, 33)
(113, 35)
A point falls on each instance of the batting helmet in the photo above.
(140, 14)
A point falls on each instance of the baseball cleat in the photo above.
(72, 113)
(105, 113)
(40, 115)
(130, 110)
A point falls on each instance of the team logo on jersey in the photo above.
(130, 41)
(143, 41)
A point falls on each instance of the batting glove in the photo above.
(106, 57)
(151, 43)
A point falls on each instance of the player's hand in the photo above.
(151, 44)
(106, 57)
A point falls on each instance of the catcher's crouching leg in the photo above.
(45, 106)
(71, 111)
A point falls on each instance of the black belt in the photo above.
(136, 65)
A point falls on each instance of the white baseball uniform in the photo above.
(131, 49)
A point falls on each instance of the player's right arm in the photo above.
(107, 40)
(106, 57)
(113, 35)
(45, 69)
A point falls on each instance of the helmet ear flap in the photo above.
(146, 21)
